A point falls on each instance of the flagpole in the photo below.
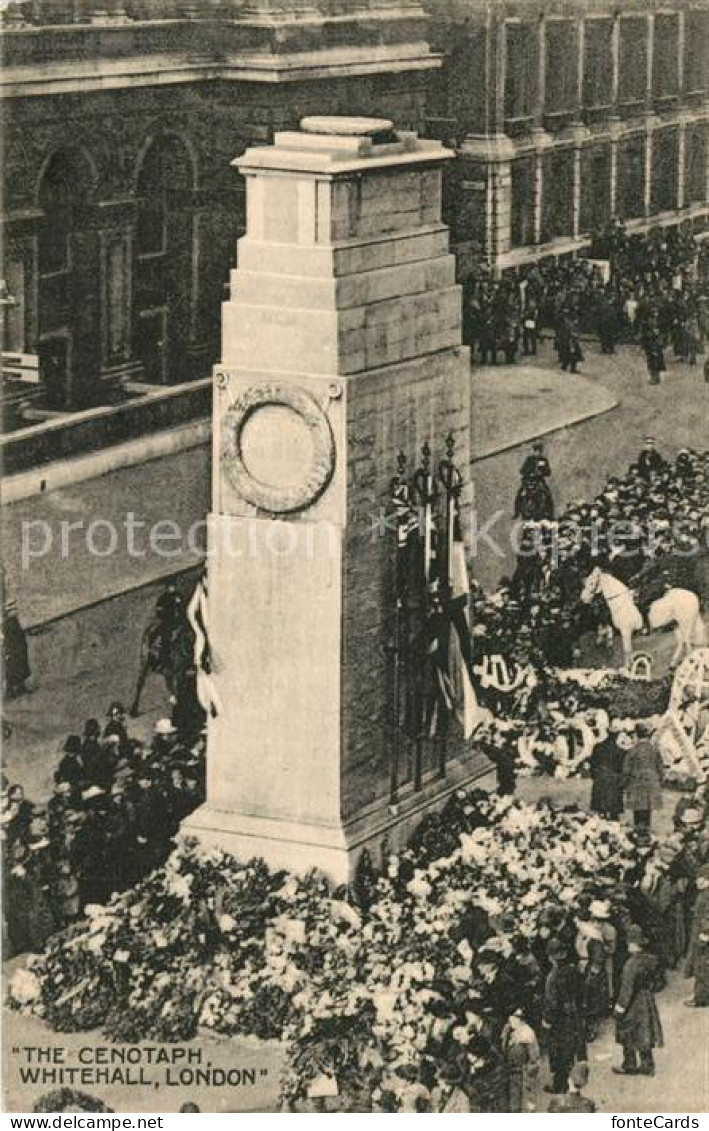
(402, 506)
(450, 479)
(425, 488)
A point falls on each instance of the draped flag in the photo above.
(198, 616)
(460, 656)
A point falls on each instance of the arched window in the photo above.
(68, 318)
(62, 197)
(164, 264)
(165, 175)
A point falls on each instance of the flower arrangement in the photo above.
(388, 1008)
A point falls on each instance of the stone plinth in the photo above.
(341, 345)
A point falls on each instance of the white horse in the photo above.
(678, 606)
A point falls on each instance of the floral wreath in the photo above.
(265, 496)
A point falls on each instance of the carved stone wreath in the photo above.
(278, 499)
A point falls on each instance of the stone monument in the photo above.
(341, 346)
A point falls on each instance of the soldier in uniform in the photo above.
(650, 462)
(561, 1015)
(638, 1027)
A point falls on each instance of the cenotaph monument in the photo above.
(341, 347)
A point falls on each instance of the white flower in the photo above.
(121, 956)
(465, 950)
(227, 924)
(24, 986)
(95, 942)
(343, 912)
(418, 887)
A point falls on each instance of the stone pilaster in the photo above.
(681, 160)
(650, 60)
(538, 194)
(20, 239)
(649, 137)
(502, 210)
(497, 152)
(616, 133)
(580, 49)
(541, 84)
(681, 35)
(580, 136)
(115, 222)
(615, 60)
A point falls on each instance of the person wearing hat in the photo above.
(164, 739)
(17, 815)
(568, 343)
(118, 831)
(697, 966)
(16, 669)
(643, 772)
(574, 1102)
(638, 1026)
(151, 838)
(98, 759)
(650, 462)
(606, 768)
(65, 893)
(87, 852)
(561, 1015)
(71, 767)
(536, 464)
(116, 724)
(503, 756)
(40, 919)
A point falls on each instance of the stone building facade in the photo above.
(121, 206)
(565, 113)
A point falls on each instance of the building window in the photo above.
(665, 156)
(696, 38)
(595, 187)
(60, 198)
(520, 71)
(522, 212)
(561, 67)
(665, 71)
(165, 298)
(632, 58)
(558, 195)
(630, 189)
(464, 201)
(597, 63)
(695, 177)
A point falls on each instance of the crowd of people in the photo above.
(114, 809)
(603, 958)
(652, 290)
(647, 527)
(607, 958)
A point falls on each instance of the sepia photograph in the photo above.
(354, 559)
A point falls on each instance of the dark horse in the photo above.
(166, 647)
(534, 501)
